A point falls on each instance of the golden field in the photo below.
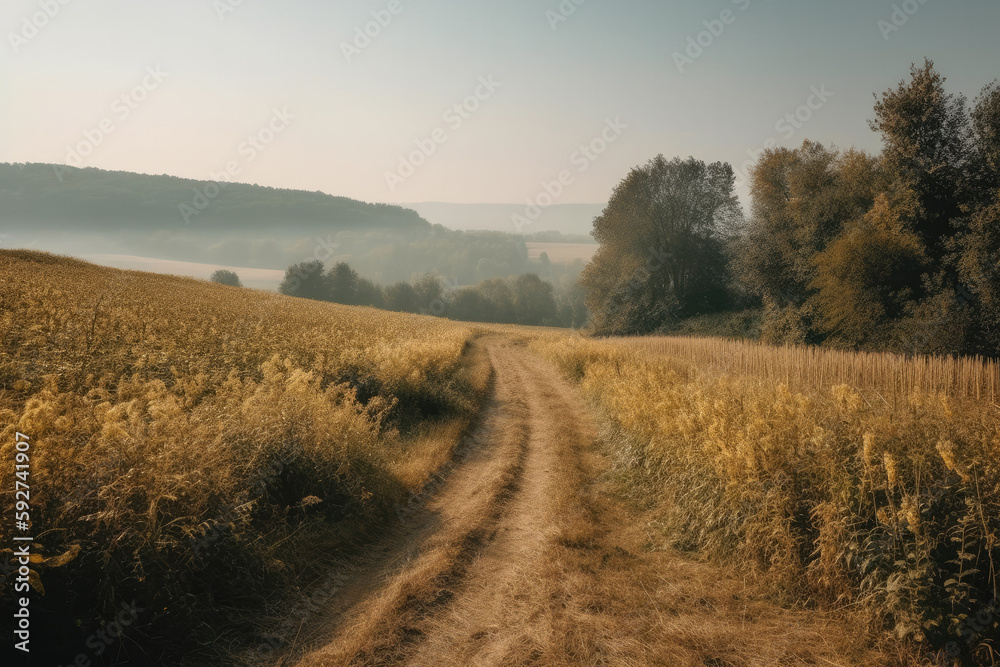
(864, 483)
(189, 437)
(204, 449)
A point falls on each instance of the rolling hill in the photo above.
(55, 197)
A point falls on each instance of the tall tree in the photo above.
(979, 266)
(927, 149)
(801, 199)
(662, 240)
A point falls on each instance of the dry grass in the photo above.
(863, 497)
(807, 368)
(527, 558)
(191, 438)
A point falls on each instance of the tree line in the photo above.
(896, 251)
(523, 299)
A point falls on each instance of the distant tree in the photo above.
(342, 283)
(572, 304)
(306, 280)
(224, 277)
(429, 291)
(500, 298)
(469, 305)
(368, 293)
(533, 301)
(662, 253)
(402, 298)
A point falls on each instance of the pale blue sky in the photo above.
(354, 119)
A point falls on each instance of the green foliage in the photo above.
(925, 132)
(897, 252)
(866, 277)
(224, 277)
(306, 280)
(801, 200)
(56, 197)
(524, 300)
(662, 249)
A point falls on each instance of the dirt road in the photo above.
(524, 557)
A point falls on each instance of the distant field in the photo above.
(256, 278)
(563, 253)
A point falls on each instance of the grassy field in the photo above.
(200, 451)
(862, 482)
(196, 447)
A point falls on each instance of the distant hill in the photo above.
(55, 197)
(564, 218)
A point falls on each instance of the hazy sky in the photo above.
(225, 66)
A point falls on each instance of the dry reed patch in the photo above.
(827, 494)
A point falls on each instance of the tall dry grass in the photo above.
(191, 441)
(867, 483)
(809, 367)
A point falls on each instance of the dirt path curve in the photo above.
(524, 557)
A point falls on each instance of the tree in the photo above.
(402, 298)
(572, 302)
(801, 200)
(662, 251)
(368, 293)
(979, 265)
(224, 277)
(306, 280)
(986, 136)
(533, 301)
(926, 136)
(500, 297)
(866, 278)
(429, 291)
(342, 283)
